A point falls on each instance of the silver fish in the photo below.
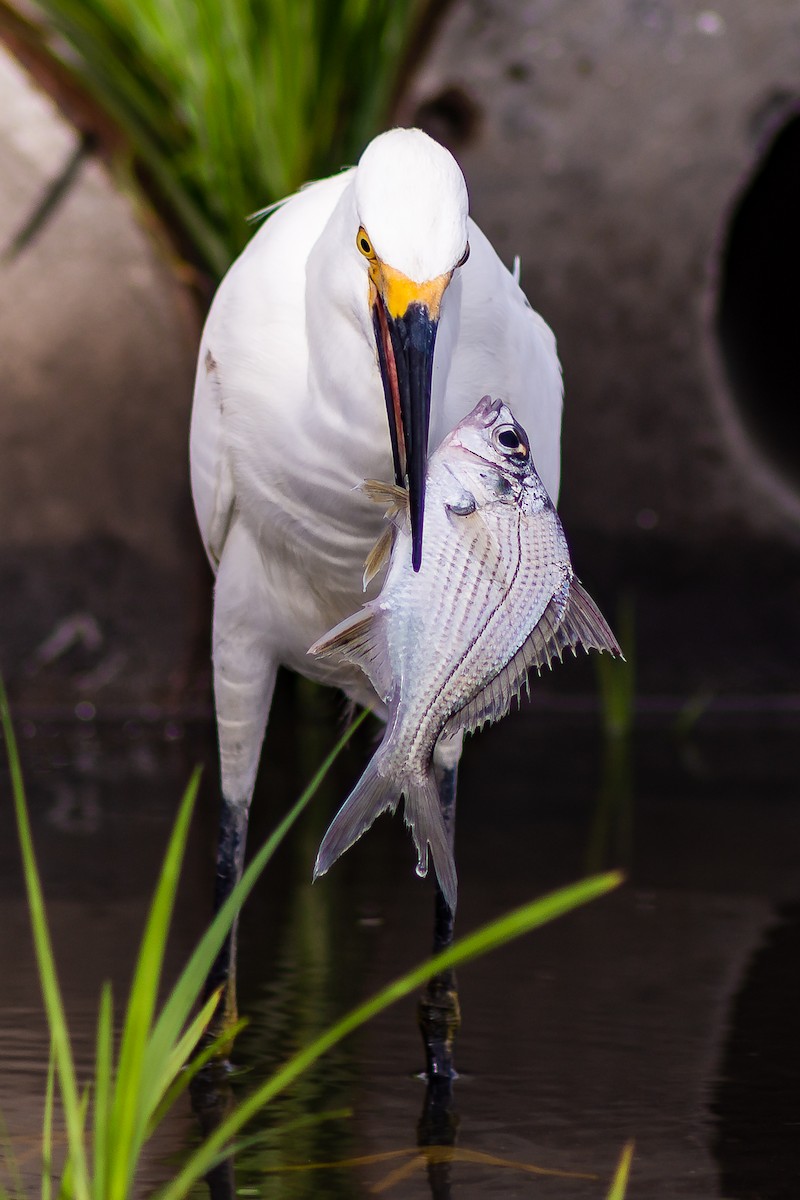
(449, 648)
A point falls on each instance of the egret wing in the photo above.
(212, 480)
(492, 335)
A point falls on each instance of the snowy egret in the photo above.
(366, 296)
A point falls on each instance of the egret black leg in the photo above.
(439, 1013)
(230, 864)
(244, 679)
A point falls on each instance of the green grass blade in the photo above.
(51, 991)
(66, 1189)
(619, 1184)
(228, 105)
(489, 937)
(187, 1043)
(47, 1129)
(176, 1011)
(183, 1078)
(182, 1066)
(617, 676)
(133, 1099)
(103, 1076)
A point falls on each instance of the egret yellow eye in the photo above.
(463, 258)
(364, 244)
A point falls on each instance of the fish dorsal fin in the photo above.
(360, 640)
(567, 622)
(393, 498)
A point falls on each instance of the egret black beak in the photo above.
(405, 354)
(405, 318)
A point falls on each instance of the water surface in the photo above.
(664, 1013)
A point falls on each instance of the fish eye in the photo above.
(364, 244)
(463, 258)
(508, 437)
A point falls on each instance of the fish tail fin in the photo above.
(373, 794)
(423, 815)
(376, 793)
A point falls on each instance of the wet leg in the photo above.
(244, 680)
(439, 1013)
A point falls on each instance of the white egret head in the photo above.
(412, 207)
(411, 199)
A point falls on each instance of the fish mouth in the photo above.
(405, 357)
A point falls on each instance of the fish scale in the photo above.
(449, 647)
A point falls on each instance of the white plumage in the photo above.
(290, 417)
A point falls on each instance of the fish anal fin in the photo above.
(360, 640)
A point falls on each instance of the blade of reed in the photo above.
(54, 1006)
(103, 1079)
(617, 676)
(47, 1129)
(154, 1050)
(131, 1103)
(619, 1184)
(194, 1065)
(229, 104)
(66, 1190)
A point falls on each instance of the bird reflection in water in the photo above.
(213, 1099)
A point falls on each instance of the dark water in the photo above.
(667, 1013)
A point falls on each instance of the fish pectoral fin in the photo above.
(360, 640)
(378, 556)
(566, 623)
(393, 498)
(463, 506)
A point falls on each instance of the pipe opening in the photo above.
(758, 307)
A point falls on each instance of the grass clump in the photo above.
(228, 105)
(109, 1119)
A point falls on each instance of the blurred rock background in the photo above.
(99, 569)
(643, 159)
